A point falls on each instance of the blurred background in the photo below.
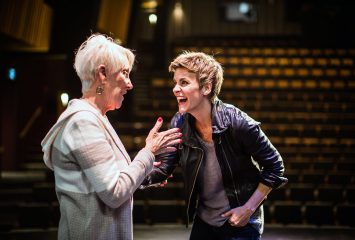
(289, 64)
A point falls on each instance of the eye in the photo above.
(184, 83)
(125, 72)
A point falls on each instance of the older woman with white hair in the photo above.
(94, 175)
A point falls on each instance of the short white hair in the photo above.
(96, 50)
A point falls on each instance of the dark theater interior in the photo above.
(289, 64)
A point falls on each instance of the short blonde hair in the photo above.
(207, 69)
(100, 49)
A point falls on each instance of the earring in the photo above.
(99, 90)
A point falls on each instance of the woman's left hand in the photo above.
(239, 216)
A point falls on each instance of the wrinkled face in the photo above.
(118, 85)
(187, 91)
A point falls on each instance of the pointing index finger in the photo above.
(158, 125)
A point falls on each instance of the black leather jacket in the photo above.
(245, 155)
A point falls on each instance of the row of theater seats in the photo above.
(300, 107)
(281, 88)
(242, 51)
(278, 212)
(310, 213)
(269, 72)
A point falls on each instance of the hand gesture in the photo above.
(239, 216)
(162, 142)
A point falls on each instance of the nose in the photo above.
(176, 89)
(129, 84)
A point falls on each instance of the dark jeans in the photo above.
(203, 231)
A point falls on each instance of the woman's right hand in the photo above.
(162, 142)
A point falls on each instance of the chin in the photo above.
(182, 110)
(118, 104)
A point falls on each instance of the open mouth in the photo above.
(182, 100)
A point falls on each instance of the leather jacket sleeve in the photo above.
(169, 161)
(255, 142)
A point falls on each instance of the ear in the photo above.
(101, 73)
(207, 88)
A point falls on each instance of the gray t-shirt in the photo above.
(213, 199)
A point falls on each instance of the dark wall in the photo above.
(39, 80)
(73, 22)
(324, 23)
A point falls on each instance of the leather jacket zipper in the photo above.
(193, 185)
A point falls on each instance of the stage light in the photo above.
(64, 97)
(11, 74)
(178, 11)
(244, 8)
(153, 18)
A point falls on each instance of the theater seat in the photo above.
(302, 192)
(330, 193)
(345, 214)
(319, 213)
(288, 212)
(35, 215)
(280, 194)
(166, 211)
(140, 212)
